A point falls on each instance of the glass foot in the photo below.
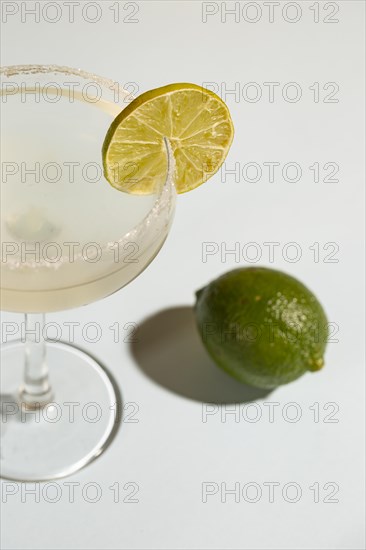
(56, 439)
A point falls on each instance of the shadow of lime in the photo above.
(169, 350)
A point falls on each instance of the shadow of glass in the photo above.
(169, 350)
(9, 411)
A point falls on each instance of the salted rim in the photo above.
(13, 70)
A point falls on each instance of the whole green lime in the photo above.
(262, 326)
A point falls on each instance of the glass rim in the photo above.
(16, 70)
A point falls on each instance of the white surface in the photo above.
(170, 451)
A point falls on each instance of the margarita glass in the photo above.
(68, 238)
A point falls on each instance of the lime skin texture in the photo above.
(262, 326)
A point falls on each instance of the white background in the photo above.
(170, 452)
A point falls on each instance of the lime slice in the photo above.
(197, 124)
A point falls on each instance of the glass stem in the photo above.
(36, 390)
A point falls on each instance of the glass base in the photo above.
(54, 440)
